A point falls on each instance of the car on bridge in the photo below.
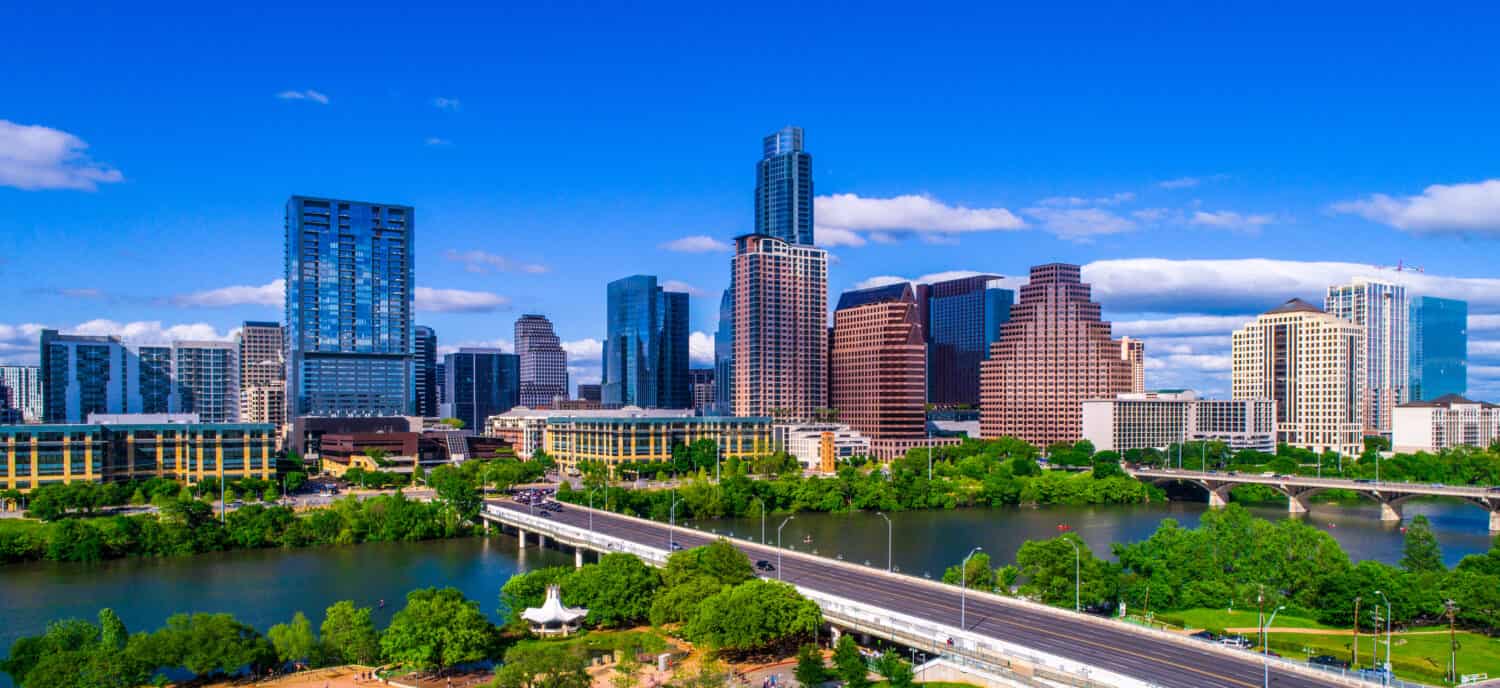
(1328, 661)
(763, 565)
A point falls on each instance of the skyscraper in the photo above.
(724, 355)
(157, 380)
(877, 363)
(784, 188)
(1439, 348)
(25, 385)
(780, 342)
(207, 379)
(1310, 363)
(348, 307)
(1054, 353)
(1384, 311)
(962, 318)
(544, 364)
(262, 373)
(646, 346)
(1133, 351)
(481, 383)
(424, 368)
(84, 374)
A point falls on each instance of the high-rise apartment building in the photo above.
(704, 391)
(784, 188)
(348, 307)
(544, 364)
(440, 373)
(877, 363)
(480, 383)
(1311, 364)
(207, 378)
(424, 368)
(25, 388)
(1133, 352)
(157, 380)
(780, 328)
(1384, 311)
(646, 346)
(88, 374)
(961, 319)
(262, 373)
(724, 355)
(1055, 352)
(1439, 348)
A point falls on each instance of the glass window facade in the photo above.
(424, 371)
(646, 346)
(1439, 348)
(963, 319)
(481, 383)
(784, 188)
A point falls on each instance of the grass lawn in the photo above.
(1240, 618)
(16, 526)
(1419, 657)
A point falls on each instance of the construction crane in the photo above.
(1400, 266)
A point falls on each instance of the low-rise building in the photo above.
(1447, 421)
(820, 446)
(573, 439)
(524, 428)
(1160, 419)
(37, 455)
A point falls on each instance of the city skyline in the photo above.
(1191, 212)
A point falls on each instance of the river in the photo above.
(264, 587)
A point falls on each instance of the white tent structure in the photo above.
(552, 618)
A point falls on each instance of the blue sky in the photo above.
(1204, 163)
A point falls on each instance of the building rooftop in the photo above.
(1295, 306)
(1446, 401)
(899, 291)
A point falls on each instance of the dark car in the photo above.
(1328, 661)
(1205, 635)
(546, 515)
(676, 546)
(764, 565)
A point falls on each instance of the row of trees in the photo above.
(1455, 465)
(850, 667)
(53, 502)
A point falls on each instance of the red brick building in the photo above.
(878, 363)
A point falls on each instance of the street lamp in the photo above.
(778, 544)
(591, 509)
(1386, 677)
(963, 591)
(1077, 578)
(762, 504)
(672, 523)
(1265, 648)
(890, 530)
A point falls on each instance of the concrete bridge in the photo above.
(1298, 489)
(1019, 642)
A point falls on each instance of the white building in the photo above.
(1311, 365)
(1448, 421)
(1383, 309)
(526, 428)
(25, 385)
(818, 446)
(1159, 419)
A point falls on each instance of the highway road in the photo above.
(1165, 663)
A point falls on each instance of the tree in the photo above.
(719, 560)
(458, 491)
(349, 635)
(811, 670)
(1107, 465)
(1050, 568)
(294, 642)
(977, 573)
(211, 644)
(529, 590)
(754, 615)
(1420, 551)
(897, 671)
(455, 423)
(617, 591)
(544, 665)
(112, 632)
(849, 665)
(438, 628)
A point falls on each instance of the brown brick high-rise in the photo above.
(1055, 352)
(878, 359)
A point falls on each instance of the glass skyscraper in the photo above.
(646, 348)
(348, 308)
(1439, 347)
(84, 374)
(424, 371)
(784, 188)
(207, 375)
(724, 355)
(963, 318)
(480, 383)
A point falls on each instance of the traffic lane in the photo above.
(1087, 642)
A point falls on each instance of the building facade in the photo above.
(481, 383)
(962, 318)
(84, 374)
(207, 378)
(1445, 422)
(544, 364)
(590, 392)
(260, 351)
(704, 391)
(524, 428)
(424, 368)
(1383, 310)
(1310, 364)
(24, 385)
(1133, 352)
(780, 364)
(820, 446)
(724, 356)
(646, 349)
(784, 188)
(877, 363)
(38, 455)
(1054, 353)
(1439, 348)
(349, 293)
(571, 440)
(1157, 420)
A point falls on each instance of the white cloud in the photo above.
(483, 262)
(34, 157)
(308, 94)
(432, 300)
(684, 287)
(1484, 348)
(149, 332)
(504, 345)
(930, 278)
(842, 216)
(1181, 325)
(1079, 224)
(1484, 323)
(697, 243)
(588, 349)
(269, 294)
(1191, 344)
(1489, 372)
(435, 141)
(1229, 219)
(1472, 208)
(1189, 362)
(879, 281)
(1079, 202)
(441, 103)
(1180, 183)
(701, 348)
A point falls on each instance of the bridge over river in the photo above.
(1027, 644)
(1298, 489)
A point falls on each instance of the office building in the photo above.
(157, 380)
(25, 385)
(348, 307)
(264, 404)
(1383, 310)
(704, 390)
(1054, 353)
(724, 355)
(646, 347)
(207, 380)
(38, 455)
(1439, 348)
(1157, 420)
(590, 392)
(544, 364)
(1445, 422)
(877, 363)
(262, 373)
(1133, 352)
(440, 374)
(628, 436)
(524, 428)
(424, 368)
(784, 188)
(962, 318)
(780, 339)
(84, 374)
(481, 383)
(820, 446)
(1311, 364)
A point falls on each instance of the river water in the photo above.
(265, 587)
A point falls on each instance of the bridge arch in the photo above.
(1218, 493)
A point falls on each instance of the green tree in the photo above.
(617, 591)
(977, 574)
(1052, 568)
(437, 628)
(458, 491)
(1420, 550)
(529, 590)
(211, 644)
(849, 665)
(112, 632)
(295, 642)
(811, 670)
(455, 423)
(349, 635)
(719, 560)
(754, 615)
(543, 665)
(897, 671)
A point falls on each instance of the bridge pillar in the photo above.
(1389, 512)
(1218, 497)
(541, 541)
(577, 557)
(1296, 505)
(1495, 520)
(521, 537)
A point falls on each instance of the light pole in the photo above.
(1265, 649)
(963, 591)
(1077, 577)
(1386, 677)
(762, 504)
(890, 531)
(672, 523)
(591, 509)
(778, 544)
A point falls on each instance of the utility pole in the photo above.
(1451, 609)
(1355, 645)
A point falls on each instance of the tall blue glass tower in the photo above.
(646, 347)
(1439, 347)
(348, 308)
(480, 383)
(784, 188)
(963, 318)
(724, 355)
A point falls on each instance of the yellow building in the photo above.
(37, 455)
(571, 440)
